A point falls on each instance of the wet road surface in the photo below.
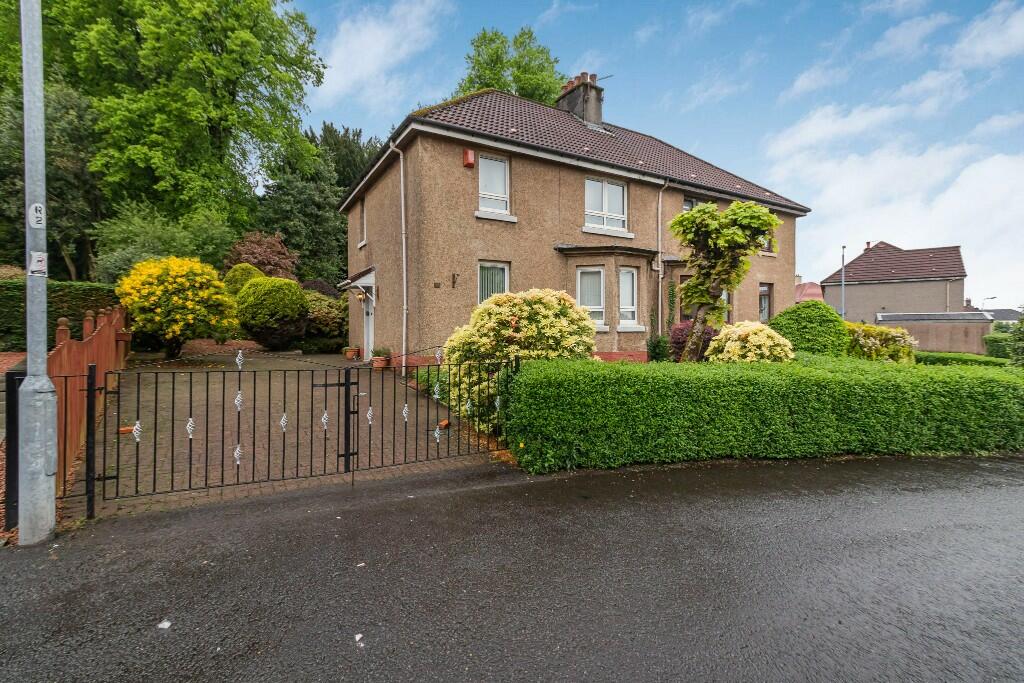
(909, 569)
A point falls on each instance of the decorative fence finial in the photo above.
(239, 359)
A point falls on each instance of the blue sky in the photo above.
(896, 120)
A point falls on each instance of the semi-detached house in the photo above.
(491, 193)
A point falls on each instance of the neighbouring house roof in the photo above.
(514, 120)
(884, 262)
(809, 291)
(951, 316)
(1008, 315)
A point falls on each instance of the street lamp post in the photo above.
(37, 402)
(842, 286)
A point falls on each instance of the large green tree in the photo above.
(350, 152)
(191, 96)
(302, 204)
(719, 245)
(521, 66)
(74, 198)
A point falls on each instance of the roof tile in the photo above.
(885, 262)
(517, 120)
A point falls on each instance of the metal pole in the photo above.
(37, 417)
(842, 287)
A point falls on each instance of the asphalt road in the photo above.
(888, 569)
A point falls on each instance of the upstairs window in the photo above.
(493, 184)
(493, 279)
(590, 292)
(605, 204)
(627, 296)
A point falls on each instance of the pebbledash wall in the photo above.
(447, 242)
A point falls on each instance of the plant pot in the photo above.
(352, 353)
(379, 362)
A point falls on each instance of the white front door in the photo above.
(367, 327)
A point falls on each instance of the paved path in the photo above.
(888, 569)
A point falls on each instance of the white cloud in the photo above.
(893, 7)
(831, 123)
(369, 53)
(816, 77)
(710, 90)
(941, 195)
(907, 39)
(994, 36)
(644, 33)
(591, 61)
(558, 9)
(935, 91)
(701, 18)
(998, 124)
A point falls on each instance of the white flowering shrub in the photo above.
(747, 342)
(535, 324)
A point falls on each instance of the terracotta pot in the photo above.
(379, 362)
(352, 353)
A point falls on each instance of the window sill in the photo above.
(611, 232)
(361, 244)
(602, 328)
(768, 253)
(493, 216)
(631, 328)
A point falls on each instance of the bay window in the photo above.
(590, 292)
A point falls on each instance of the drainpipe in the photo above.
(661, 265)
(405, 262)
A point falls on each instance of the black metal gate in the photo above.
(163, 431)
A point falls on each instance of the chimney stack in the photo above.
(583, 97)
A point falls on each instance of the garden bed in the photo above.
(572, 414)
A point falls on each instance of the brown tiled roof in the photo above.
(496, 114)
(883, 262)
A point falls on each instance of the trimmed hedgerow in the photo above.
(572, 414)
(812, 326)
(64, 300)
(997, 344)
(951, 358)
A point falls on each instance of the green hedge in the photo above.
(571, 414)
(944, 358)
(997, 344)
(64, 300)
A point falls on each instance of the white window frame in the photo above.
(604, 213)
(634, 324)
(507, 198)
(601, 327)
(691, 201)
(491, 264)
(362, 223)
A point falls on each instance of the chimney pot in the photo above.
(584, 76)
(593, 78)
(867, 244)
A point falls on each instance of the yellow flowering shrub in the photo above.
(535, 324)
(748, 342)
(176, 299)
(875, 342)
